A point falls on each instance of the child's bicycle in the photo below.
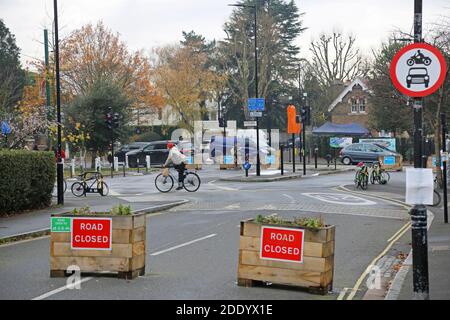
(99, 186)
(379, 174)
(362, 176)
(165, 182)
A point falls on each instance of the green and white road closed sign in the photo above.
(59, 224)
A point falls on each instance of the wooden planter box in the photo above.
(315, 273)
(127, 257)
(194, 166)
(395, 167)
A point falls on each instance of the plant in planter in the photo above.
(111, 241)
(297, 252)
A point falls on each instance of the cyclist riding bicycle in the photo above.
(179, 161)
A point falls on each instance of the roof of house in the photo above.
(347, 90)
(351, 129)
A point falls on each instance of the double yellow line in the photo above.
(390, 241)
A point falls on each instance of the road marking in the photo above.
(211, 183)
(291, 198)
(408, 224)
(53, 292)
(340, 198)
(183, 245)
(342, 294)
(374, 261)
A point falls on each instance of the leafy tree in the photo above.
(90, 110)
(12, 77)
(278, 25)
(386, 100)
(93, 54)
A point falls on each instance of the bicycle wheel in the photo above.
(364, 182)
(104, 189)
(163, 184)
(78, 189)
(436, 198)
(191, 182)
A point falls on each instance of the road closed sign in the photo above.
(282, 244)
(91, 233)
(418, 70)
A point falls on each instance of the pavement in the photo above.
(401, 287)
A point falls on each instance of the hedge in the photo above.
(26, 180)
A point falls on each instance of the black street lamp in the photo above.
(59, 166)
(258, 161)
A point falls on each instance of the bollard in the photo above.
(147, 161)
(123, 166)
(72, 168)
(126, 161)
(116, 164)
(316, 151)
(420, 252)
(281, 160)
(137, 161)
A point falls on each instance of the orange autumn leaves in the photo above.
(93, 53)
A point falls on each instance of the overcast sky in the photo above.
(144, 24)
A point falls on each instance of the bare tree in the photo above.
(336, 58)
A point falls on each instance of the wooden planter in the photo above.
(127, 257)
(194, 166)
(315, 273)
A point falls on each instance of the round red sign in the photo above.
(418, 70)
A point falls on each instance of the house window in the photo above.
(354, 106)
(362, 105)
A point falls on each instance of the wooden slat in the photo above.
(309, 263)
(118, 251)
(60, 237)
(121, 236)
(139, 221)
(137, 262)
(280, 276)
(122, 222)
(327, 278)
(90, 264)
(138, 234)
(139, 248)
(311, 249)
(252, 229)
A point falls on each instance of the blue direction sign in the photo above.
(247, 166)
(256, 104)
(6, 129)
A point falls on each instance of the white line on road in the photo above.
(291, 198)
(183, 244)
(211, 183)
(53, 292)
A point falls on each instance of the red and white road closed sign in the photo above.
(92, 233)
(418, 70)
(283, 244)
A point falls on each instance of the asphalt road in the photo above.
(192, 250)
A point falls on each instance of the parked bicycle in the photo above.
(98, 185)
(362, 176)
(379, 174)
(164, 181)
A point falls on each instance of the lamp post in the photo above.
(258, 161)
(59, 166)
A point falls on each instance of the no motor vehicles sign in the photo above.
(91, 233)
(282, 244)
(418, 70)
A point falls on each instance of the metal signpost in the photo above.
(256, 108)
(418, 70)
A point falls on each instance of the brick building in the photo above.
(352, 104)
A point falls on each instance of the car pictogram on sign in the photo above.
(417, 76)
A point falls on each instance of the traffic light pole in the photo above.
(419, 212)
(59, 165)
(444, 164)
(303, 148)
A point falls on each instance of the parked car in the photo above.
(129, 147)
(363, 152)
(157, 150)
